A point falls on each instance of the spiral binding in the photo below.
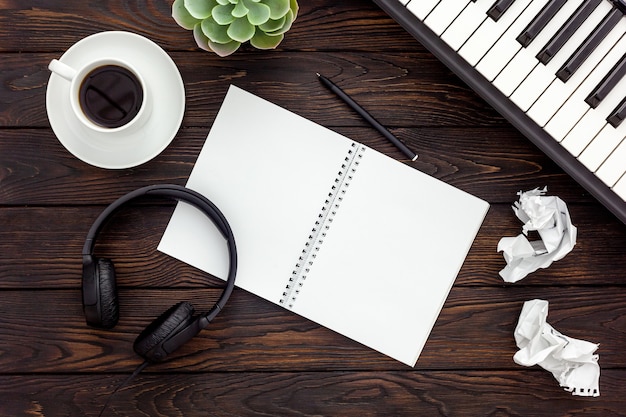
(322, 225)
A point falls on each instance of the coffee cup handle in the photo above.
(62, 70)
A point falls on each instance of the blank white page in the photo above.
(269, 171)
(390, 257)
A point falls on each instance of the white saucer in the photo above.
(129, 149)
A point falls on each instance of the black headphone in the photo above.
(178, 324)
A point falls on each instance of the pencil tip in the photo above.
(318, 74)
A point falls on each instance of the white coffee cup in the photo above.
(76, 77)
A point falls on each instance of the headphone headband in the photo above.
(179, 193)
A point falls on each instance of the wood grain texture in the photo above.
(311, 394)
(474, 331)
(36, 169)
(50, 242)
(257, 359)
(431, 96)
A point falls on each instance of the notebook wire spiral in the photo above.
(322, 225)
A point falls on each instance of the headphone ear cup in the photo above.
(150, 342)
(109, 306)
(100, 293)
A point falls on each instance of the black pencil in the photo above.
(368, 117)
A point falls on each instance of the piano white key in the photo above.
(421, 8)
(551, 100)
(507, 46)
(489, 32)
(525, 60)
(613, 168)
(583, 132)
(575, 107)
(444, 14)
(620, 188)
(404, 2)
(593, 121)
(601, 146)
(543, 75)
(466, 23)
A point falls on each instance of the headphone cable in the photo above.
(136, 372)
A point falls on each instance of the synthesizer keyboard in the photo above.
(553, 68)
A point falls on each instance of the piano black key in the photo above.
(499, 7)
(588, 46)
(607, 84)
(620, 4)
(618, 115)
(565, 32)
(539, 22)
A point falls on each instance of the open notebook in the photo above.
(326, 227)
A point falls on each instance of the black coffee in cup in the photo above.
(111, 96)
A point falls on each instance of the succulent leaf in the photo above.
(241, 30)
(288, 21)
(221, 49)
(224, 49)
(240, 10)
(200, 9)
(215, 32)
(182, 16)
(261, 40)
(201, 39)
(278, 8)
(223, 15)
(258, 13)
(273, 25)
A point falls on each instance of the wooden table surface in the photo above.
(257, 359)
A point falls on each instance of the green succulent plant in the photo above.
(222, 26)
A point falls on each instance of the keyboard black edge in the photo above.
(505, 107)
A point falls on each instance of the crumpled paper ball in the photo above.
(572, 362)
(550, 218)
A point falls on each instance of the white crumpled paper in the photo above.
(550, 218)
(571, 361)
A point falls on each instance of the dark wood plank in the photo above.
(353, 394)
(50, 241)
(36, 169)
(473, 332)
(430, 95)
